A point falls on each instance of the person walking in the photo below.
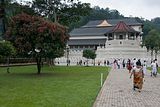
(123, 63)
(115, 64)
(156, 65)
(138, 76)
(134, 62)
(129, 66)
(118, 63)
(104, 62)
(154, 68)
(144, 67)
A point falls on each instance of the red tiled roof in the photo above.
(122, 27)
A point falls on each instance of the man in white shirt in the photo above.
(154, 68)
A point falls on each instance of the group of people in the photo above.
(117, 64)
(138, 70)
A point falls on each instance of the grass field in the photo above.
(59, 86)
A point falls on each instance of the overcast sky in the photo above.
(147, 9)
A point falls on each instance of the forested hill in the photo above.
(73, 16)
(98, 13)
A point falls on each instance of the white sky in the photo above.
(147, 9)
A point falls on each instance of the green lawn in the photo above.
(56, 87)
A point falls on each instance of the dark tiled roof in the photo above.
(86, 41)
(113, 22)
(122, 27)
(131, 21)
(91, 28)
(90, 31)
(93, 23)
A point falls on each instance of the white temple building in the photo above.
(111, 39)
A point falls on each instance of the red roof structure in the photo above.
(122, 27)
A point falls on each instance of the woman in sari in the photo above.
(138, 76)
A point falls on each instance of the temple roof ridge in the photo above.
(122, 27)
(111, 22)
(104, 23)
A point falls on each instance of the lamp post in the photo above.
(67, 49)
(38, 59)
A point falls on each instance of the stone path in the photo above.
(117, 91)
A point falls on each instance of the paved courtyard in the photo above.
(117, 91)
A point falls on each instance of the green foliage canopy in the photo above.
(152, 40)
(89, 54)
(63, 11)
(37, 36)
(31, 32)
(6, 49)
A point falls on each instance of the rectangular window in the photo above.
(76, 46)
(81, 47)
(71, 47)
(86, 46)
(91, 46)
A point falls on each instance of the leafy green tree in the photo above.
(9, 8)
(2, 18)
(148, 26)
(89, 54)
(152, 43)
(156, 21)
(97, 13)
(6, 51)
(37, 36)
(63, 11)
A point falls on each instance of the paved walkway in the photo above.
(117, 91)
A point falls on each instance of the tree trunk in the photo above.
(8, 65)
(87, 61)
(38, 64)
(94, 62)
(53, 64)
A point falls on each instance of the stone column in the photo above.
(114, 36)
(134, 36)
(140, 37)
(107, 37)
(126, 36)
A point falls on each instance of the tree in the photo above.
(6, 51)
(36, 36)
(152, 43)
(63, 11)
(2, 18)
(89, 54)
(156, 21)
(9, 8)
(97, 13)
